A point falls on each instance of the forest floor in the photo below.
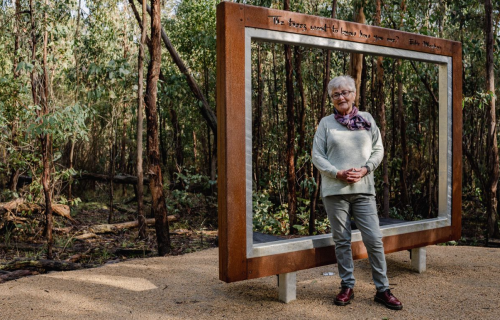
(460, 283)
(79, 241)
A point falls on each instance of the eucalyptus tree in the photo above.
(491, 138)
(159, 206)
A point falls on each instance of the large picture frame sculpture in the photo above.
(237, 26)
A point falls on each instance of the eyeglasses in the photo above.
(344, 93)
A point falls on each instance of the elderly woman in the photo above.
(347, 148)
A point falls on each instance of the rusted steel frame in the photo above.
(300, 260)
(231, 142)
(262, 18)
(233, 264)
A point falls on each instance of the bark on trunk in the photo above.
(324, 97)
(258, 120)
(155, 175)
(404, 149)
(39, 88)
(140, 106)
(15, 172)
(205, 109)
(492, 147)
(111, 175)
(290, 143)
(302, 111)
(356, 62)
(380, 98)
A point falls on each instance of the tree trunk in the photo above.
(205, 109)
(123, 143)
(492, 147)
(404, 150)
(302, 111)
(156, 180)
(40, 94)
(179, 155)
(15, 172)
(141, 218)
(362, 90)
(111, 175)
(356, 62)
(257, 144)
(290, 143)
(324, 96)
(380, 98)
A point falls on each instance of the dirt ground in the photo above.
(460, 283)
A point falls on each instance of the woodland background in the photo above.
(74, 75)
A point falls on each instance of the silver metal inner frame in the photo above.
(445, 138)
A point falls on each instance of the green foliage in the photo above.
(274, 219)
(267, 218)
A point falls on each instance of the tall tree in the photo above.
(40, 94)
(290, 139)
(324, 98)
(380, 99)
(492, 147)
(159, 207)
(140, 105)
(15, 172)
(356, 62)
(301, 111)
(402, 124)
(205, 109)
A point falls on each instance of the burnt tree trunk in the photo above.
(205, 109)
(258, 120)
(356, 61)
(40, 93)
(154, 171)
(179, 155)
(380, 98)
(15, 172)
(302, 111)
(290, 140)
(324, 97)
(402, 124)
(491, 141)
(111, 175)
(404, 149)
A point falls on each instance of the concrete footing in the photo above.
(418, 259)
(287, 286)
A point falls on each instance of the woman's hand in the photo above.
(352, 175)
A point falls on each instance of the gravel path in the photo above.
(460, 283)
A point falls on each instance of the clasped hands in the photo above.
(352, 175)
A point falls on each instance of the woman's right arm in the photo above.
(319, 152)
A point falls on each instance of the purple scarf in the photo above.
(353, 121)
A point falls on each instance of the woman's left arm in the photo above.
(377, 154)
(356, 174)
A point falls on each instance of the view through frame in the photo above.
(237, 26)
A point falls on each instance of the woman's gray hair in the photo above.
(341, 81)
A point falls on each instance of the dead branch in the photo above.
(43, 265)
(112, 228)
(20, 205)
(16, 275)
(120, 179)
(63, 211)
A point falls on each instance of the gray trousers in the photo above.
(363, 209)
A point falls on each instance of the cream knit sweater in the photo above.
(337, 148)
